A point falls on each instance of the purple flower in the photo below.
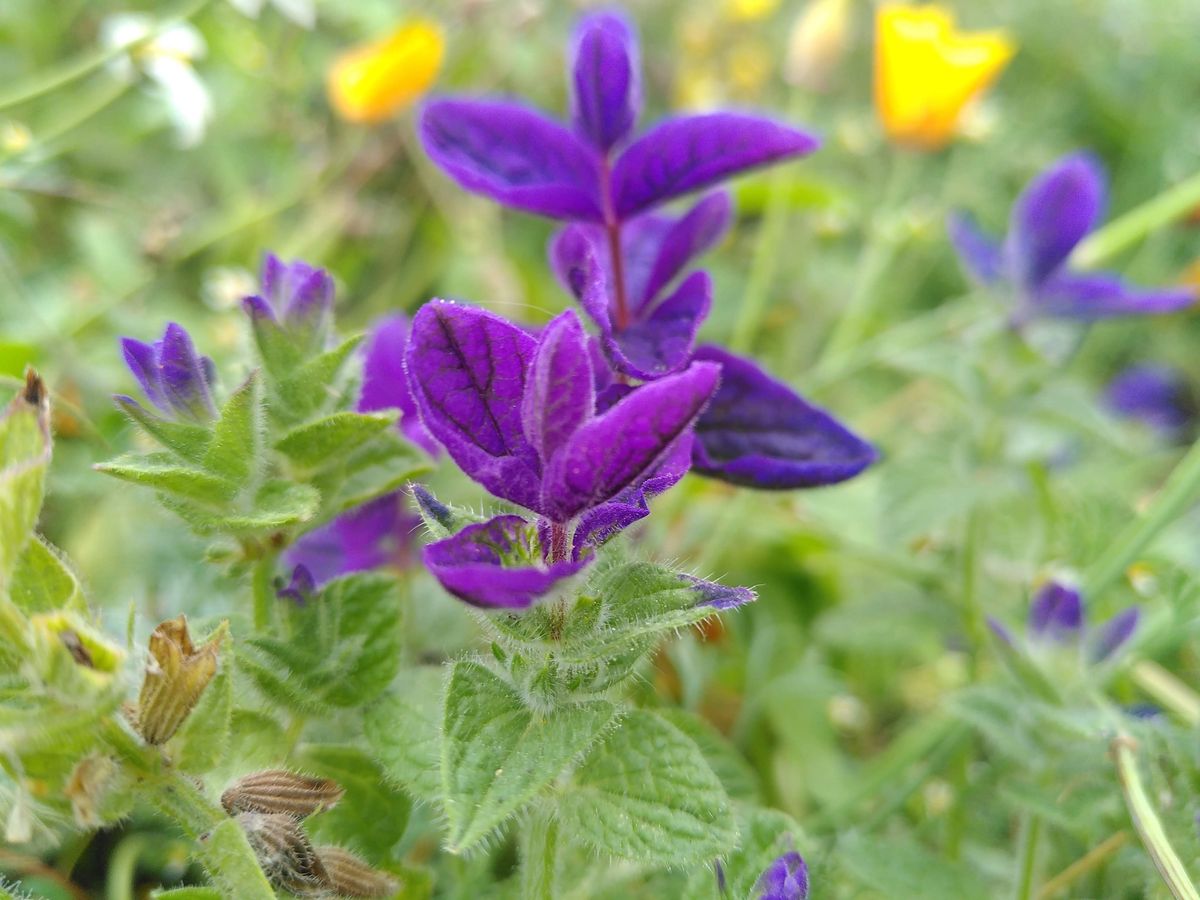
(174, 378)
(385, 383)
(759, 433)
(784, 879)
(1052, 215)
(296, 297)
(1056, 615)
(299, 589)
(377, 533)
(1158, 396)
(522, 417)
(592, 172)
(645, 331)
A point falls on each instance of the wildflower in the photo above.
(176, 675)
(522, 417)
(280, 791)
(300, 589)
(1057, 618)
(1157, 396)
(593, 172)
(1052, 215)
(296, 298)
(817, 42)
(375, 81)
(174, 378)
(784, 879)
(300, 12)
(165, 56)
(926, 71)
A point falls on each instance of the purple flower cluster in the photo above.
(1053, 214)
(1057, 618)
(625, 262)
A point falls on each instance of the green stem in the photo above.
(539, 857)
(122, 868)
(264, 593)
(764, 265)
(1147, 824)
(1181, 490)
(1168, 690)
(1031, 831)
(1089, 862)
(974, 623)
(1124, 231)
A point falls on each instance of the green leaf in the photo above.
(404, 731)
(326, 441)
(236, 447)
(226, 856)
(899, 868)
(738, 777)
(42, 581)
(201, 742)
(344, 650)
(187, 893)
(386, 464)
(276, 505)
(24, 455)
(187, 440)
(163, 472)
(305, 390)
(372, 816)
(646, 794)
(498, 754)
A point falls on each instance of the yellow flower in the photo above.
(374, 81)
(926, 71)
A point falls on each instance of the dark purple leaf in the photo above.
(607, 93)
(494, 565)
(467, 369)
(701, 228)
(759, 433)
(686, 154)
(661, 342)
(514, 155)
(622, 447)
(559, 389)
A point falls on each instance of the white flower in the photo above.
(302, 12)
(165, 57)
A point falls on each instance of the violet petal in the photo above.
(784, 879)
(492, 565)
(607, 93)
(662, 342)
(576, 261)
(1101, 295)
(1056, 613)
(1155, 395)
(702, 227)
(467, 369)
(379, 532)
(142, 361)
(686, 154)
(980, 254)
(559, 389)
(1053, 214)
(759, 433)
(182, 377)
(385, 382)
(719, 596)
(299, 589)
(514, 155)
(1112, 635)
(623, 446)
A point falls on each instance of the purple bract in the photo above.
(1052, 215)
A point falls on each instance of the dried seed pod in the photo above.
(176, 675)
(348, 876)
(284, 852)
(279, 791)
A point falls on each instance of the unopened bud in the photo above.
(348, 876)
(817, 43)
(283, 852)
(277, 791)
(94, 783)
(176, 675)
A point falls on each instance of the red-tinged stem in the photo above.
(612, 228)
(558, 542)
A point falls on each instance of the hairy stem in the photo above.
(558, 542)
(1147, 824)
(539, 856)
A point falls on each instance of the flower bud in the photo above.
(283, 852)
(176, 675)
(348, 876)
(278, 791)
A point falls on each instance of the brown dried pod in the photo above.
(284, 852)
(176, 675)
(348, 876)
(279, 791)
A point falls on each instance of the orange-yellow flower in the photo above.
(377, 80)
(926, 72)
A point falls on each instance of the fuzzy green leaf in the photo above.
(737, 776)
(189, 441)
(42, 580)
(386, 464)
(372, 816)
(226, 856)
(276, 505)
(24, 456)
(304, 390)
(404, 731)
(498, 754)
(326, 441)
(163, 472)
(201, 743)
(647, 794)
(236, 447)
(187, 893)
(344, 651)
